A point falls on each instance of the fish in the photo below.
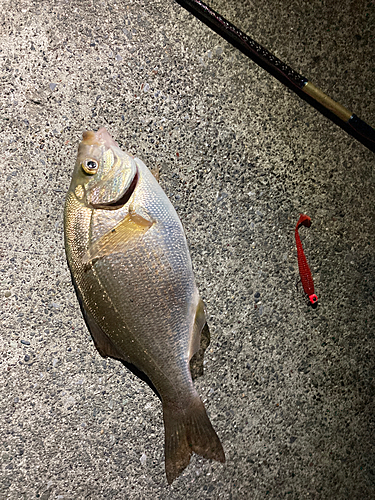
(131, 269)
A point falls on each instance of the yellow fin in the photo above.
(120, 238)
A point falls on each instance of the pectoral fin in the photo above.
(120, 238)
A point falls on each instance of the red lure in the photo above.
(304, 269)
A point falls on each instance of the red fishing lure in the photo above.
(304, 269)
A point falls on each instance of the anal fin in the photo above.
(106, 347)
(103, 343)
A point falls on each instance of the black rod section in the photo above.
(333, 110)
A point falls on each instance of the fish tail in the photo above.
(187, 430)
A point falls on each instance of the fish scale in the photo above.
(131, 268)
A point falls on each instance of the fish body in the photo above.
(133, 276)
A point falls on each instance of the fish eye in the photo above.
(90, 166)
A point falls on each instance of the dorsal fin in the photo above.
(199, 341)
(199, 322)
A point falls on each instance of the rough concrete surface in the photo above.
(289, 389)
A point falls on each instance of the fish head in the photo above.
(103, 174)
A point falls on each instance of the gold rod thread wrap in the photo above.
(336, 108)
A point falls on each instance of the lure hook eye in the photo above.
(313, 298)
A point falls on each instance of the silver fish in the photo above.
(133, 276)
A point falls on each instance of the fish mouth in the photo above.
(120, 202)
(99, 138)
(90, 141)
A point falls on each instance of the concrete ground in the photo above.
(289, 389)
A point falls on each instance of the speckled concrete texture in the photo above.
(289, 389)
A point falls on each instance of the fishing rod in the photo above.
(333, 110)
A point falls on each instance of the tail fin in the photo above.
(187, 430)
